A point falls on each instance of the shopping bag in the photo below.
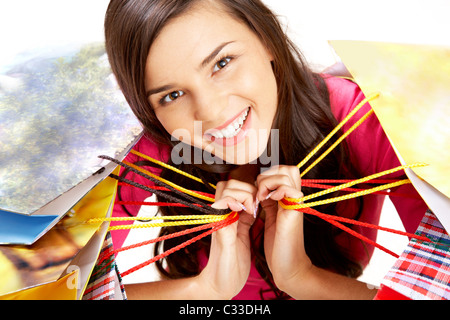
(105, 282)
(413, 108)
(62, 112)
(62, 289)
(414, 111)
(60, 108)
(422, 271)
(73, 244)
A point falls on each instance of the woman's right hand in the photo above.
(229, 260)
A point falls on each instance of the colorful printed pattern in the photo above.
(423, 270)
(105, 282)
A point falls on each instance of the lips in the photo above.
(231, 132)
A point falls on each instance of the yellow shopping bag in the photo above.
(413, 108)
(62, 289)
(71, 245)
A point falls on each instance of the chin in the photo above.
(247, 152)
(239, 159)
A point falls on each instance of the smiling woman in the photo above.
(226, 75)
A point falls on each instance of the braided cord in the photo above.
(166, 224)
(165, 165)
(341, 138)
(216, 219)
(359, 181)
(173, 185)
(337, 128)
(341, 198)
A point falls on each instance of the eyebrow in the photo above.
(204, 63)
(159, 89)
(213, 54)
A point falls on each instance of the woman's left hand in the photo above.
(283, 237)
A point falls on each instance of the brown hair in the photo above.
(303, 116)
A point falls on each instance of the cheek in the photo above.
(163, 118)
(173, 123)
(259, 82)
(182, 128)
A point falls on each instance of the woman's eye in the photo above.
(222, 63)
(172, 96)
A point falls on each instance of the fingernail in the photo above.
(269, 195)
(256, 208)
(243, 207)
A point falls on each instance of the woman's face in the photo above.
(211, 84)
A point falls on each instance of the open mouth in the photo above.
(233, 129)
(232, 133)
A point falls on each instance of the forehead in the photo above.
(190, 37)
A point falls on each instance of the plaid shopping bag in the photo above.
(423, 270)
(105, 282)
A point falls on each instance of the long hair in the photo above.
(303, 118)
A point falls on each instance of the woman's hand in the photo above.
(229, 260)
(283, 237)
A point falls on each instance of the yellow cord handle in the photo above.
(356, 125)
(178, 221)
(203, 219)
(187, 191)
(338, 127)
(190, 217)
(358, 181)
(165, 165)
(166, 224)
(341, 198)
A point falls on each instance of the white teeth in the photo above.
(232, 129)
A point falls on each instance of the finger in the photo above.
(276, 187)
(286, 192)
(229, 203)
(243, 194)
(275, 177)
(220, 186)
(236, 201)
(238, 185)
(292, 171)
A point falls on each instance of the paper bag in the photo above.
(413, 109)
(58, 112)
(72, 244)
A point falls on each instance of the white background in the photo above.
(28, 24)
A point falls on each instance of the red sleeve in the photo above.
(370, 149)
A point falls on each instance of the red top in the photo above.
(370, 151)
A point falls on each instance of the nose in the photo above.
(209, 104)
